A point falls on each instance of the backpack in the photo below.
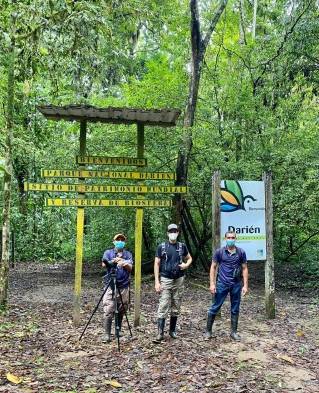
(238, 272)
(179, 249)
(172, 271)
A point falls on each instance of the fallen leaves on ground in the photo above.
(13, 378)
(39, 343)
(285, 358)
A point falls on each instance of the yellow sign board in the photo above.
(141, 189)
(60, 202)
(108, 174)
(99, 160)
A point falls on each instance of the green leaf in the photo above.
(234, 187)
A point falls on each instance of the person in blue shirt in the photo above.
(121, 260)
(232, 278)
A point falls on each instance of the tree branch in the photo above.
(293, 252)
(213, 23)
(282, 44)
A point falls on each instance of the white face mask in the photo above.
(172, 236)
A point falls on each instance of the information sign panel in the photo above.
(61, 202)
(107, 174)
(100, 160)
(140, 189)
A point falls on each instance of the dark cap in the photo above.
(172, 226)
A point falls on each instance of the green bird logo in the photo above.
(232, 197)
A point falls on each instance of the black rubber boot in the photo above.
(107, 327)
(209, 326)
(172, 326)
(234, 325)
(160, 327)
(120, 319)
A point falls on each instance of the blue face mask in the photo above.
(230, 242)
(119, 244)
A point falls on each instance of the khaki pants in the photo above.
(109, 304)
(171, 297)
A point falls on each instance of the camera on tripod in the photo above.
(112, 268)
(112, 263)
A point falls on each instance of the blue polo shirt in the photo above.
(122, 275)
(228, 263)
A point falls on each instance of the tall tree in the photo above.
(7, 180)
(199, 44)
(253, 33)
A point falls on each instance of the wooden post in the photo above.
(269, 264)
(79, 238)
(138, 237)
(138, 266)
(216, 210)
(216, 216)
(140, 140)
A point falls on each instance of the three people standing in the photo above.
(228, 274)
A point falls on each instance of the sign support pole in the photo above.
(216, 210)
(79, 238)
(216, 216)
(270, 305)
(138, 237)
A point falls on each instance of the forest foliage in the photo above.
(257, 111)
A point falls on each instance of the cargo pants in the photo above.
(171, 297)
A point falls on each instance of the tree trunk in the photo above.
(198, 45)
(253, 33)
(4, 265)
(242, 35)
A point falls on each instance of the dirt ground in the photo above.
(39, 344)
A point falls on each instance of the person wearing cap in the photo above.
(121, 260)
(228, 274)
(171, 260)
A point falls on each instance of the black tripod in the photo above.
(113, 284)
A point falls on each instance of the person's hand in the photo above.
(212, 288)
(244, 290)
(121, 262)
(183, 266)
(158, 287)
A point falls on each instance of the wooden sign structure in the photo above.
(108, 174)
(67, 202)
(84, 114)
(97, 160)
(50, 187)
